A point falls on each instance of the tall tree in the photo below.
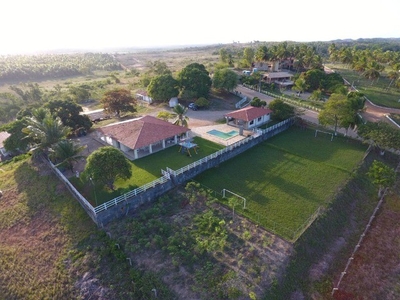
(225, 79)
(381, 175)
(117, 101)
(262, 53)
(163, 87)
(66, 152)
(179, 112)
(337, 112)
(70, 113)
(281, 110)
(45, 133)
(381, 135)
(248, 56)
(105, 165)
(194, 80)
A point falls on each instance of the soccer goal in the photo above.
(324, 132)
(227, 194)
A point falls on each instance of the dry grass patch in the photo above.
(375, 271)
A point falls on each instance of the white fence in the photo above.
(359, 243)
(227, 149)
(241, 102)
(285, 99)
(130, 194)
(166, 175)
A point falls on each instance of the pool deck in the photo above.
(202, 132)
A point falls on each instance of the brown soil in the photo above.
(375, 113)
(256, 261)
(375, 271)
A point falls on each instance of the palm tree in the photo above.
(371, 74)
(45, 133)
(393, 76)
(179, 113)
(66, 152)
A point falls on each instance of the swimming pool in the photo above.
(223, 135)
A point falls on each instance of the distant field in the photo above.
(287, 178)
(375, 91)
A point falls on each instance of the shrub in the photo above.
(202, 102)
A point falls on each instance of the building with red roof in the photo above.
(142, 136)
(249, 117)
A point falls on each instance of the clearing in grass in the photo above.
(287, 178)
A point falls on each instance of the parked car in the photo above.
(193, 106)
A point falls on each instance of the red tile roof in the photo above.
(249, 113)
(142, 132)
(3, 136)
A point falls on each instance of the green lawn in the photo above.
(145, 170)
(286, 178)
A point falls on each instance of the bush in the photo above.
(202, 102)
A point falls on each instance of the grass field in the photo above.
(287, 178)
(145, 170)
(375, 91)
(51, 249)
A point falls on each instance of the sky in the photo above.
(28, 26)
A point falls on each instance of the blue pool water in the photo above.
(223, 135)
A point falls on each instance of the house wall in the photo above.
(257, 122)
(124, 148)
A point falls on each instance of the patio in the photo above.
(202, 132)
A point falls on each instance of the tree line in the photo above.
(47, 66)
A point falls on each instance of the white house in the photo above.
(248, 117)
(141, 137)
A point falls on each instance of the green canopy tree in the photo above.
(17, 141)
(225, 79)
(194, 81)
(69, 113)
(281, 110)
(105, 165)
(257, 102)
(381, 135)
(300, 85)
(337, 112)
(163, 88)
(117, 101)
(381, 175)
